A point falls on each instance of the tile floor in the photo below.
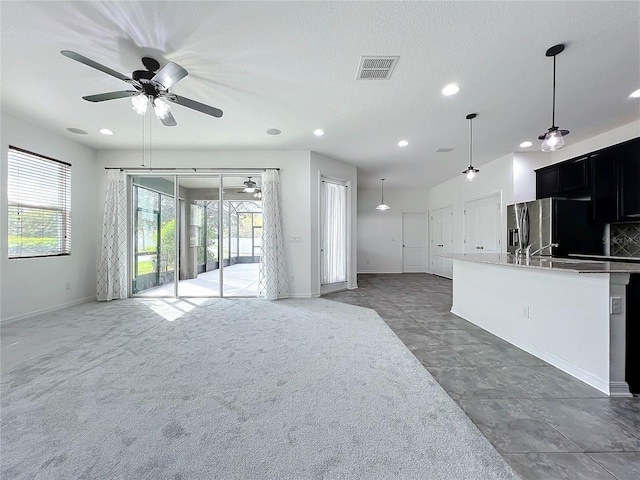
(545, 423)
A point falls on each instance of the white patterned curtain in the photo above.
(112, 269)
(274, 281)
(334, 233)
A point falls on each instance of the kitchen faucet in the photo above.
(531, 254)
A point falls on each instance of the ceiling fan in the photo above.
(251, 187)
(151, 87)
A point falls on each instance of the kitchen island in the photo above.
(568, 312)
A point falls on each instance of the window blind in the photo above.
(39, 201)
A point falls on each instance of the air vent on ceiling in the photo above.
(445, 149)
(376, 68)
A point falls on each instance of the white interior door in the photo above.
(447, 241)
(413, 234)
(482, 225)
(441, 241)
(435, 241)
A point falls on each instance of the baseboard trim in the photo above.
(619, 389)
(304, 295)
(365, 272)
(567, 367)
(17, 318)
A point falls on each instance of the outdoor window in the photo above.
(39, 201)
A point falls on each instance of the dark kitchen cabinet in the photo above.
(568, 179)
(548, 182)
(604, 187)
(615, 185)
(629, 178)
(574, 176)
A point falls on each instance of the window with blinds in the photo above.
(39, 194)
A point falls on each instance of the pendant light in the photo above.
(553, 139)
(382, 205)
(471, 173)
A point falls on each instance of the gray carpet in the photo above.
(244, 388)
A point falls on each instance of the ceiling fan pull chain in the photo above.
(143, 127)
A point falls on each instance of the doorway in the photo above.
(441, 241)
(195, 236)
(483, 224)
(334, 245)
(413, 243)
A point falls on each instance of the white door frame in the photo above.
(334, 287)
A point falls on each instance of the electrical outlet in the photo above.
(616, 305)
(296, 239)
(293, 279)
(67, 286)
(525, 312)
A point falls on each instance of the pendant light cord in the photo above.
(382, 182)
(144, 120)
(470, 143)
(553, 110)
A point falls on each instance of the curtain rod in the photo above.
(188, 170)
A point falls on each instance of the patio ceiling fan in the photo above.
(151, 87)
(251, 187)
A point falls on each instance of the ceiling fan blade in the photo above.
(169, 75)
(200, 107)
(168, 120)
(101, 97)
(87, 61)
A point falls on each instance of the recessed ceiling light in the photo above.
(79, 131)
(106, 131)
(274, 131)
(525, 144)
(451, 89)
(635, 94)
(403, 143)
(318, 132)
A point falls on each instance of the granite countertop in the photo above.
(549, 263)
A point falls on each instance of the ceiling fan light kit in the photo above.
(471, 173)
(250, 186)
(553, 139)
(151, 86)
(140, 104)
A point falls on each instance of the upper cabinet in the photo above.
(610, 177)
(615, 189)
(629, 178)
(568, 179)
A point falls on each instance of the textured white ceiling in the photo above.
(292, 66)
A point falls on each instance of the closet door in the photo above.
(482, 225)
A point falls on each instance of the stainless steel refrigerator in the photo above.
(563, 221)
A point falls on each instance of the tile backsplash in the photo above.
(625, 239)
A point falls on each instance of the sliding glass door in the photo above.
(154, 242)
(195, 236)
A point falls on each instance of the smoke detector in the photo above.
(376, 68)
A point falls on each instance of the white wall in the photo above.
(380, 232)
(524, 175)
(322, 165)
(32, 285)
(298, 192)
(494, 177)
